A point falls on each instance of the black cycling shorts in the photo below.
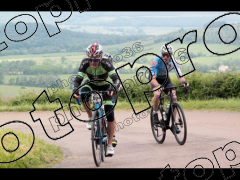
(160, 80)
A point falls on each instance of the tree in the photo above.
(63, 59)
(47, 62)
(11, 81)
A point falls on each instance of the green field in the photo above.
(10, 91)
(62, 76)
(13, 90)
(73, 56)
(7, 77)
(149, 47)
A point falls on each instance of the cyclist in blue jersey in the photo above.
(159, 73)
(98, 67)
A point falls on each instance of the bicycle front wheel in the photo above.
(159, 133)
(180, 127)
(105, 135)
(96, 140)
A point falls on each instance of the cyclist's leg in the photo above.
(111, 122)
(108, 107)
(85, 99)
(175, 100)
(170, 84)
(155, 99)
(155, 102)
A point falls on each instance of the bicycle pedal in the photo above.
(162, 124)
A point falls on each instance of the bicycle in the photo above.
(164, 125)
(99, 136)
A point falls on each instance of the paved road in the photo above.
(137, 148)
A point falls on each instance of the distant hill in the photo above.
(212, 34)
(143, 19)
(65, 41)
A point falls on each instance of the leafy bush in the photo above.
(203, 86)
(30, 97)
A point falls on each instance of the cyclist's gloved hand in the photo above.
(76, 94)
(185, 84)
(112, 90)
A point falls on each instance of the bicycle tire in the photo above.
(105, 133)
(103, 145)
(180, 123)
(157, 128)
(96, 143)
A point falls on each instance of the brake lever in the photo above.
(186, 90)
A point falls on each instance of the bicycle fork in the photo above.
(103, 136)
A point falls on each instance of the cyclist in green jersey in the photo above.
(97, 67)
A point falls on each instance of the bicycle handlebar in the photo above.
(186, 90)
(174, 87)
(84, 92)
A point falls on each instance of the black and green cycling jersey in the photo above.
(105, 72)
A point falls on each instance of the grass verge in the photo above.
(42, 154)
(232, 104)
(210, 105)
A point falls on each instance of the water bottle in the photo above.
(167, 108)
(164, 115)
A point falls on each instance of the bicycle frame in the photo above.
(100, 110)
(177, 120)
(170, 112)
(100, 114)
(99, 134)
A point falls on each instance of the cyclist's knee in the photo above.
(156, 95)
(85, 97)
(174, 96)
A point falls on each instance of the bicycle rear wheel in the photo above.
(180, 123)
(159, 133)
(96, 140)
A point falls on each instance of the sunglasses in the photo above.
(94, 60)
(163, 55)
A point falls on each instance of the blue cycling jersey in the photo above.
(158, 68)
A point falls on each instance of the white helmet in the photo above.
(94, 50)
(164, 49)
